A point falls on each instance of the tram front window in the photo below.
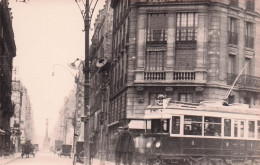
(160, 125)
(192, 125)
(212, 126)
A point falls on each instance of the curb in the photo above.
(11, 160)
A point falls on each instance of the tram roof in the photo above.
(213, 106)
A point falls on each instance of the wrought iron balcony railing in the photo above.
(244, 80)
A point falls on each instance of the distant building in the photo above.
(7, 53)
(22, 122)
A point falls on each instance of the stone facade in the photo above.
(192, 70)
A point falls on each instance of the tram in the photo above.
(210, 133)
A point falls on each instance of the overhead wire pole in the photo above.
(87, 160)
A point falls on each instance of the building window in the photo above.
(250, 5)
(186, 97)
(155, 59)
(192, 125)
(248, 69)
(187, 26)
(232, 32)
(185, 59)
(232, 64)
(212, 126)
(249, 36)
(231, 99)
(157, 27)
(234, 3)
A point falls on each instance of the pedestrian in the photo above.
(117, 146)
(126, 146)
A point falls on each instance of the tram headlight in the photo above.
(158, 144)
(148, 144)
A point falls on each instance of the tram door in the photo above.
(239, 132)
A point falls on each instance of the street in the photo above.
(43, 158)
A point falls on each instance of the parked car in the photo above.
(65, 150)
(58, 144)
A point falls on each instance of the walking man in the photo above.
(126, 146)
(117, 146)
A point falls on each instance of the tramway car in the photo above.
(206, 133)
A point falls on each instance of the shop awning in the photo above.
(137, 124)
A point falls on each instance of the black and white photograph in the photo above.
(129, 82)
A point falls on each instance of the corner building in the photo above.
(189, 51)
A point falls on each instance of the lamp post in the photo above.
(87, 160)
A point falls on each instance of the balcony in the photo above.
(184, 76)
(170, 76)
(244, 80)
(154, 75)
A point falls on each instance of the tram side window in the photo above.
(239, 128)
(176, 125)
(160, 126)
(236, 129)
(242, 128)
(192, 125)
(227, 127)
(251, 129)
(212, 126)
(258, 129)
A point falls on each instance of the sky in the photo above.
(48, 36)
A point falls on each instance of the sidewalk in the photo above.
(4, 160)
(98, 162)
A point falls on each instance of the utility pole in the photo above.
(87, 160)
